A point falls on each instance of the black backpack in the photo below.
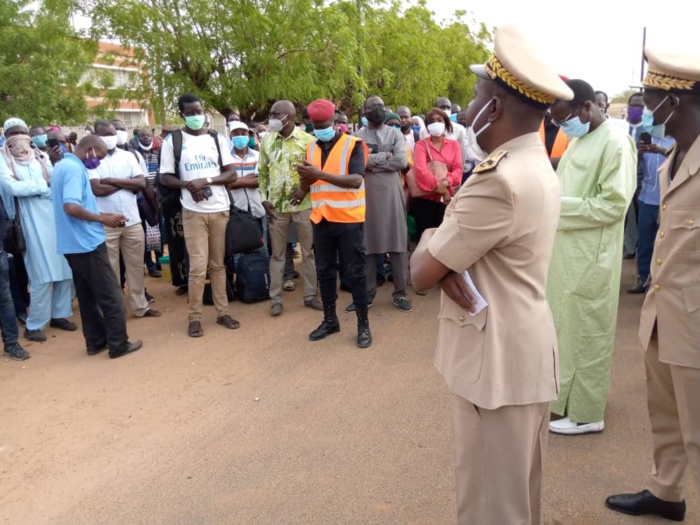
(253, 277)
(170, 197)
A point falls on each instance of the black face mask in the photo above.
(376, 115)
(404, 129)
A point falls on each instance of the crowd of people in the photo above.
(533, 194)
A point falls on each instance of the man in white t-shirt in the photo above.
(205, 171)
(115, 183)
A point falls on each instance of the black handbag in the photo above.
(244, 231)
(15, 242)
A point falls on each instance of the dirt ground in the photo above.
(261, 426)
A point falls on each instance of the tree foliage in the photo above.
(412, 59)
(42, 61)
(624, 96)
(245, 54)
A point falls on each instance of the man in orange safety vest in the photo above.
(334, 173)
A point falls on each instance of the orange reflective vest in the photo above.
(560, 143)
(331, 202)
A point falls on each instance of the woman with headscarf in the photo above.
(418, 124)
(25, 181)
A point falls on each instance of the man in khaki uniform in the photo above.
(500, 364)
(670, 322)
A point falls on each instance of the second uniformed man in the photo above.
(334, 171)
(500, 364)
(670, 322)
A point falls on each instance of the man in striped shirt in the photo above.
(150, 153)
(245, 192)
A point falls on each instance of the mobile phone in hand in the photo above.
(207, 192)
(645, 138)
(52, 143)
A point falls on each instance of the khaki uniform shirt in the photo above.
(501, 227)
(673, 302)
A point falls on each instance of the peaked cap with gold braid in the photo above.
(516, 66)
(672, 71)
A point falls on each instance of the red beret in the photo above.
(321, 109)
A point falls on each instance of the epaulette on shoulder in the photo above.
(491, 161)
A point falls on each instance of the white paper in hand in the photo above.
(480, 301)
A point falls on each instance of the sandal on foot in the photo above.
(151, 313)
(228, 322)
(195, 329)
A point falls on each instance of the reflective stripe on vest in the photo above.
(336, 204)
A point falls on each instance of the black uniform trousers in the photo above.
(338, 244)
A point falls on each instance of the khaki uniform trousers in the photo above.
(205, 237)
(673, 396)
(279, 235)
(130, 243)
(499, 456)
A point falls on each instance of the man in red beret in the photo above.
(334, 173)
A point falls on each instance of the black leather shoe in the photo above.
(638, 288)
(130, 347)
(97, 349)
(330, 325)
(63, 324)
(35, 335)
(646, 503)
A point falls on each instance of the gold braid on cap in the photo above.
(496, 70)
(658, 80)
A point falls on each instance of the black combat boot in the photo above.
(364, 337)
(330, 324)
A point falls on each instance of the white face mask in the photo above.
(474, 151)
(436, 129)
(146, 148)
(275, 125)
(472, 146)
(122, 137)
(110, 141)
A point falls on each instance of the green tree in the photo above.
(624, 96)
(42, 61)
(412, 59)
(245, 54)
(237, 53)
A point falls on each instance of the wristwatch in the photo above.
(208, 180)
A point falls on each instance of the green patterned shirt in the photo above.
(277, 171)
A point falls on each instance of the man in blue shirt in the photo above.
(652, 156)
(81, 239)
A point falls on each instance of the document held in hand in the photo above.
(480, 301)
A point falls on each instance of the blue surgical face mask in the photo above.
(325, 135)
(575, 128)
(365, 122)
(416, 128)
(396, 127)
(453, 117)
(251, 142)
(657, 131)
(40, 140)
(240, 142)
